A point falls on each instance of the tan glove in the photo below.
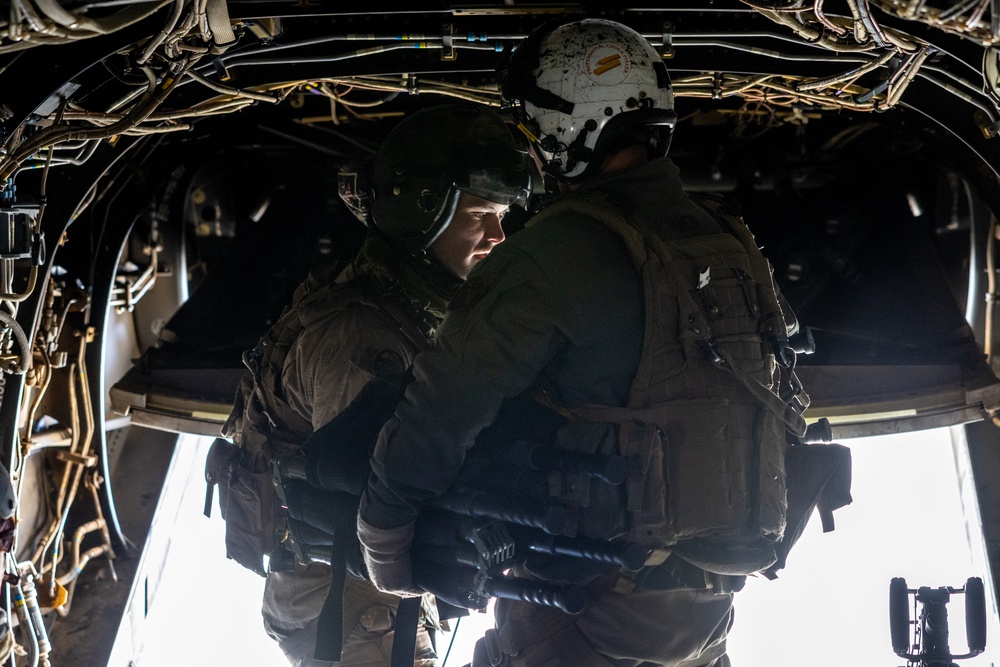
(387, 556)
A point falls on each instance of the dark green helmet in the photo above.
(432, 157)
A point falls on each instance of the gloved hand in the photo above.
(387, 556)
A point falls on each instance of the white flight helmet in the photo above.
(587, 89)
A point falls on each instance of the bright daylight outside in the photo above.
(828, 608)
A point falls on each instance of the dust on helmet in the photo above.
(587, 89)
(433, 156)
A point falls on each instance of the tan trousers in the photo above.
(293, 600)
(643, 628)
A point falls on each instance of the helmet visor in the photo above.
(509, 186)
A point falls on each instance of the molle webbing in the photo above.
(704, 429)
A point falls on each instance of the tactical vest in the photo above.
(704, 429)
(264, 426)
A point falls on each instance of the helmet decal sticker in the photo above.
(608, 64)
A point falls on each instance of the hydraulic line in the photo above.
(360, 53)
(37, 622)
(849, 75)
(902, 78)
(155, 42)
(865, 20)
(80, 561)
(22, 341)
(990, 111)
(42, 384)
(228, 90)
(28, 635)
(154, 96)
(74, 409)
(94, 482)
(32, 280)
(76, 463)
(830, 25)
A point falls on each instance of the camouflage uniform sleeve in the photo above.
(334, 358)
(503, 327)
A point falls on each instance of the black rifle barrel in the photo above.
(553, 519)
(570, 599)
(610, 469)
(628, 555)
(471, 589)
(451, 531)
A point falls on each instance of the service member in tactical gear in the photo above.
(441, 183)
(647, 319)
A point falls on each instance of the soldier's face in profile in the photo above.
(472, 234)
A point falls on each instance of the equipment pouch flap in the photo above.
(249, 510)
(222, 456)
(819, 477)
(642, 448)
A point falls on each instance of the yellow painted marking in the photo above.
(528, 133)
(608, 63)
